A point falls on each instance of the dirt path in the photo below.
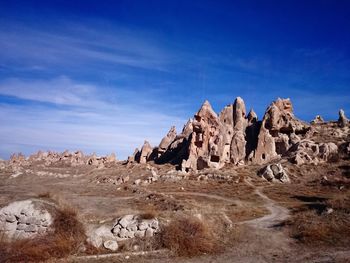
(211, 196)
(277, 213)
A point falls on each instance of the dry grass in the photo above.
(317, 228)
(150, 213)
(65, 240)
(189, 237)
(45, 195)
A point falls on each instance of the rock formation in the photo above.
(343, 120)
(278, 126)
(318, 120)
(145, 153)
(210, 140)
(167, 140)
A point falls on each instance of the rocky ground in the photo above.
(287, 199)
(252, 210)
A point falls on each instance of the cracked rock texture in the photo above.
(24, 219)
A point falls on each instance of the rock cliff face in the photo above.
(210, 140)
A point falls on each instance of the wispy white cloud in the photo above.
(80, 119)
(60, 90)
(77, 45)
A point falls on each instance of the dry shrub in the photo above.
(149, 214)
(66, 239)
(45, 195)
(189, 236)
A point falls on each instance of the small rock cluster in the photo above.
(130, 226)
(204, 177)
(273, 173)
(124, 228)
(150, 179)
(113, 180)
(24, 219)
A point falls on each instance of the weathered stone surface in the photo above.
(111, 245)
(97, 236)
(238, 143)
(125, 227)
(167, 140)
(23, 219)
(343, 120)
(146, 151)
(277, 126)
(318, 120)
(307, 151)
(233, 137)
(130, 226)
(274, 172)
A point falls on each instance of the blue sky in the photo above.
(102, 76)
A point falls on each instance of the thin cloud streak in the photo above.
(86, 122)
(66, 47)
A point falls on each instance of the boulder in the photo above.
(111, 245)
(274, 172)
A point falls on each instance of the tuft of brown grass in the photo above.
(316, 229)
(66, 239)
(149, 214)
(45, 195)
(189, 237)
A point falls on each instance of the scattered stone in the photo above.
(111, 245)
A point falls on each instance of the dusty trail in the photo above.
(277, 213)
(212, 196)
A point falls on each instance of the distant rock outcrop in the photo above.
(210, 140)
(66, 158)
